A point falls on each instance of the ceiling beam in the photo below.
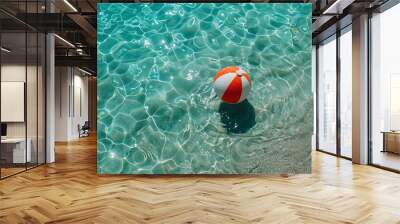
(84, 24)
(338, 6)
(320, 22)
(81, 61)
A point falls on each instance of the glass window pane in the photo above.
(327, 96)
(31, 97)
(346, 94)
(32, 87)
(385, 114)
(23, 87)
(41, 99)
(13, 86)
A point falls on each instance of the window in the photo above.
(327, 96)
(385, 89)
(346, 93)
(334, 138)
(22, 77)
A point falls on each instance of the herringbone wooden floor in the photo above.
(70, 191)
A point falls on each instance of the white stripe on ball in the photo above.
(245, 89)
(222, 83)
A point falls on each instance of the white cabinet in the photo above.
(19, 155)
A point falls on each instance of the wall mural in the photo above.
(204, 88)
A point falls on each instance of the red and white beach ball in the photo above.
(232, 84)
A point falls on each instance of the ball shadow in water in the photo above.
(237, 118)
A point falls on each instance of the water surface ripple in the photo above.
(157, 111)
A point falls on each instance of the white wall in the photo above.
(70, 83)
(81, 84)
(62, 82)
(13, 72)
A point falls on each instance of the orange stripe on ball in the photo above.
(226, 70)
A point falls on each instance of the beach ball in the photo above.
(232, 84)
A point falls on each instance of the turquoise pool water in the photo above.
(157, 111)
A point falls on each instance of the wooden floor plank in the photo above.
(70, 191)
